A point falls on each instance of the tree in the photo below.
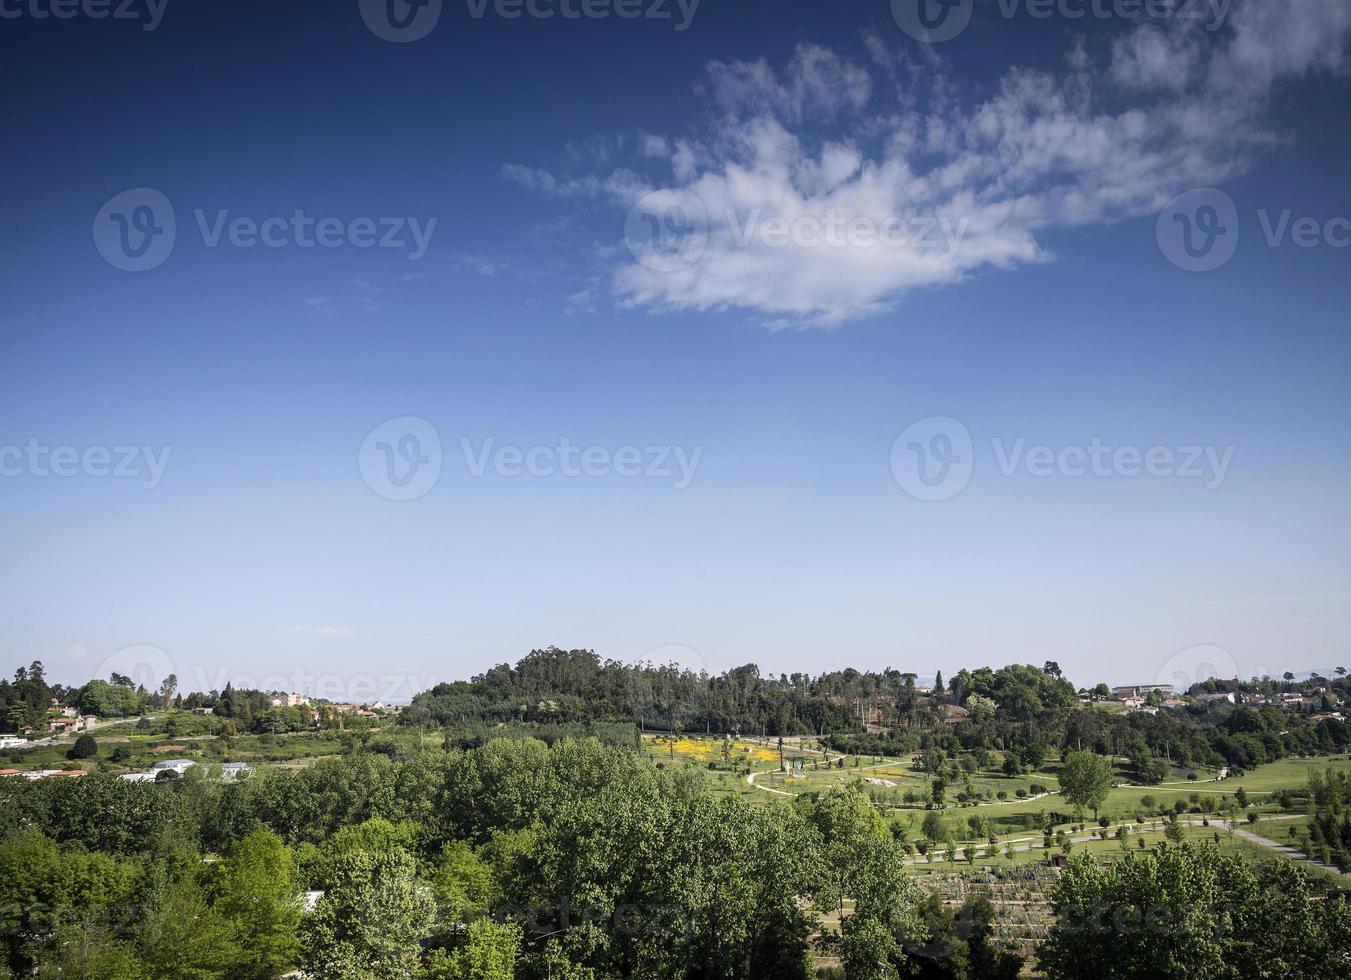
(934, 828)
(369, 925)
(167, 689)
(85, 747)
(1195, 913)
(488, 953)
(869, 949)
(182, 938)
(1085, 780)
(254, 888)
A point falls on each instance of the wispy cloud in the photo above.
(1118, 131)
(328, 631)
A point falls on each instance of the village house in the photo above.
(179, 766)
(290, 701)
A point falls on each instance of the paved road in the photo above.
(93, 727)
(1289, 852)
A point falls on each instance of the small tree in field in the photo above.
(1085, 780)
(85, 747)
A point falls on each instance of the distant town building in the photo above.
(179, 766)
(290, 701)
(1140, 690)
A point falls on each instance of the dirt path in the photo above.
(1032, 843)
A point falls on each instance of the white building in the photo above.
(1140, 690)
(179, 766)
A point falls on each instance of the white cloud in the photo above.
(326, 631)
(1114, 134)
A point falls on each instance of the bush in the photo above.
(85, 747)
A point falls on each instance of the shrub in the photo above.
(85, 747)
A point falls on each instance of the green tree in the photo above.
(254, 888)
(1085, 780)
(182, 938)
(1194, 913)
(371, 921)
(487, 953)
(85, 747)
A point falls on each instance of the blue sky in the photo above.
(798, 380)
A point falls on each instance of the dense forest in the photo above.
(517, 861)
(518, 827)
(1031, 711)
